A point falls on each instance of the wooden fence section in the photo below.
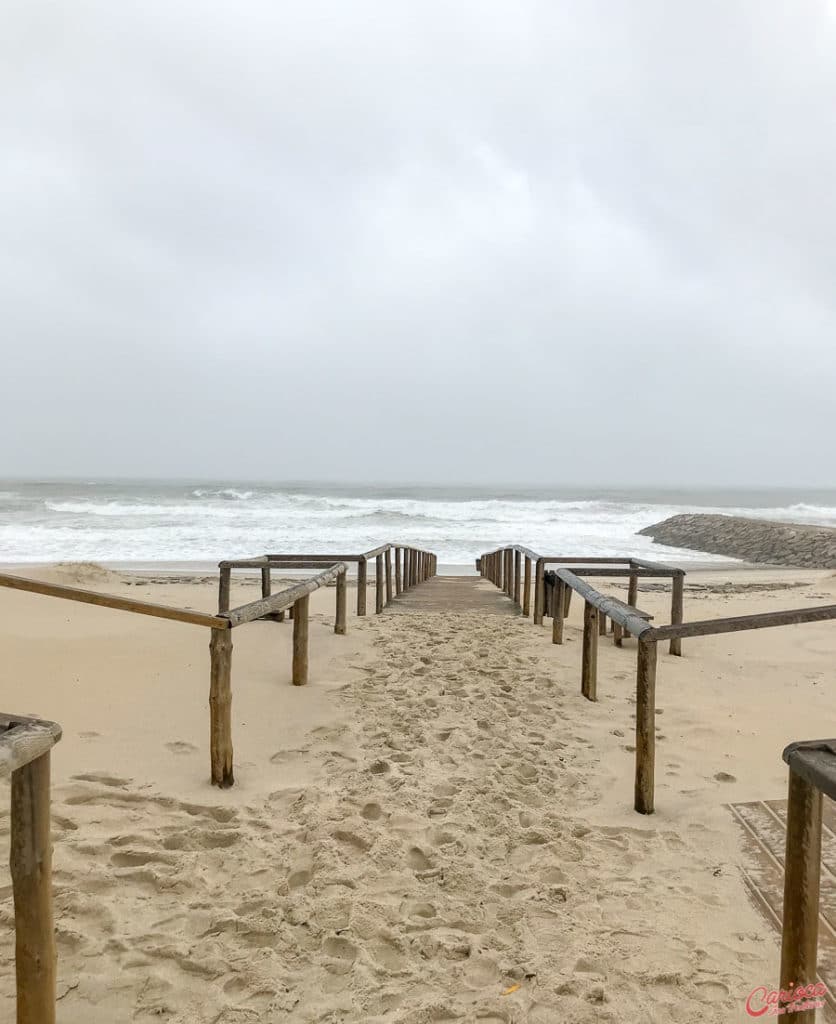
(504, 566)
(295, 597)
(411, 566)
(124, 604)
(812, 772)
(648, 637)
(25, 746)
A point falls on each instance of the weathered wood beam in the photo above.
(645, 727)
(300, 640)
(30, 862)
(677, 611)
(341, 604)
(283, 598)
(589, 664)
(122, 604)
(763, 620)
(800, 932)
(557, 618)
(539, 592)
(220, 708)
(362, 585)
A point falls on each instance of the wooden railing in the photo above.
(25, 746)
(220, 645)
(503, 568)
(812, 772)
(648, 637)
(411, 566)
(510, 569)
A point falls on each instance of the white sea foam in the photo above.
(168, 522)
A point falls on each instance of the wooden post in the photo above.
(398, 578)
(340, 616)
(589, 664)
(378, 584)
(617, 634)
(567, 604)
(602, 623)
(645, 726)
(633, 590)
(223, 590)
(30, 861)
(557, 620)
(388, 559)
(539, 592)
(526, 602)
(800, 933)
(266, 591)
(509, 573)
(220, 707)
(677, 608)
(300, 640)
(517, 576)
(362, 573)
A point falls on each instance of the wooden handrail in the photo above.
(612, 608)
(282, 599)
(738, 623)
(123, 604)
(412, 566)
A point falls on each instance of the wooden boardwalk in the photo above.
(454, 594)
(764, 825)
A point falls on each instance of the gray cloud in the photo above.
(487, 241)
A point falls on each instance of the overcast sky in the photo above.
(474, 241)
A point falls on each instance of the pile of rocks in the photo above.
(753, 540)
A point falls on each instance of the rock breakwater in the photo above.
(753, 540)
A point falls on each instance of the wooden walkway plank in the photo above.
(454, 594)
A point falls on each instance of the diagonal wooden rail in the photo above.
(502, 568)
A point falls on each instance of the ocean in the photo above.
(201, 522)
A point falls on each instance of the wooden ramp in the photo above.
(764, 825)
(454, 594)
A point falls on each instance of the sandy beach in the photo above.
(438, 827)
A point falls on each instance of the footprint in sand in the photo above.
(340, 949)
(352, 839)
(418, 860)
(372, 812)
(725, 777)
(181, 747)
(102, 778)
